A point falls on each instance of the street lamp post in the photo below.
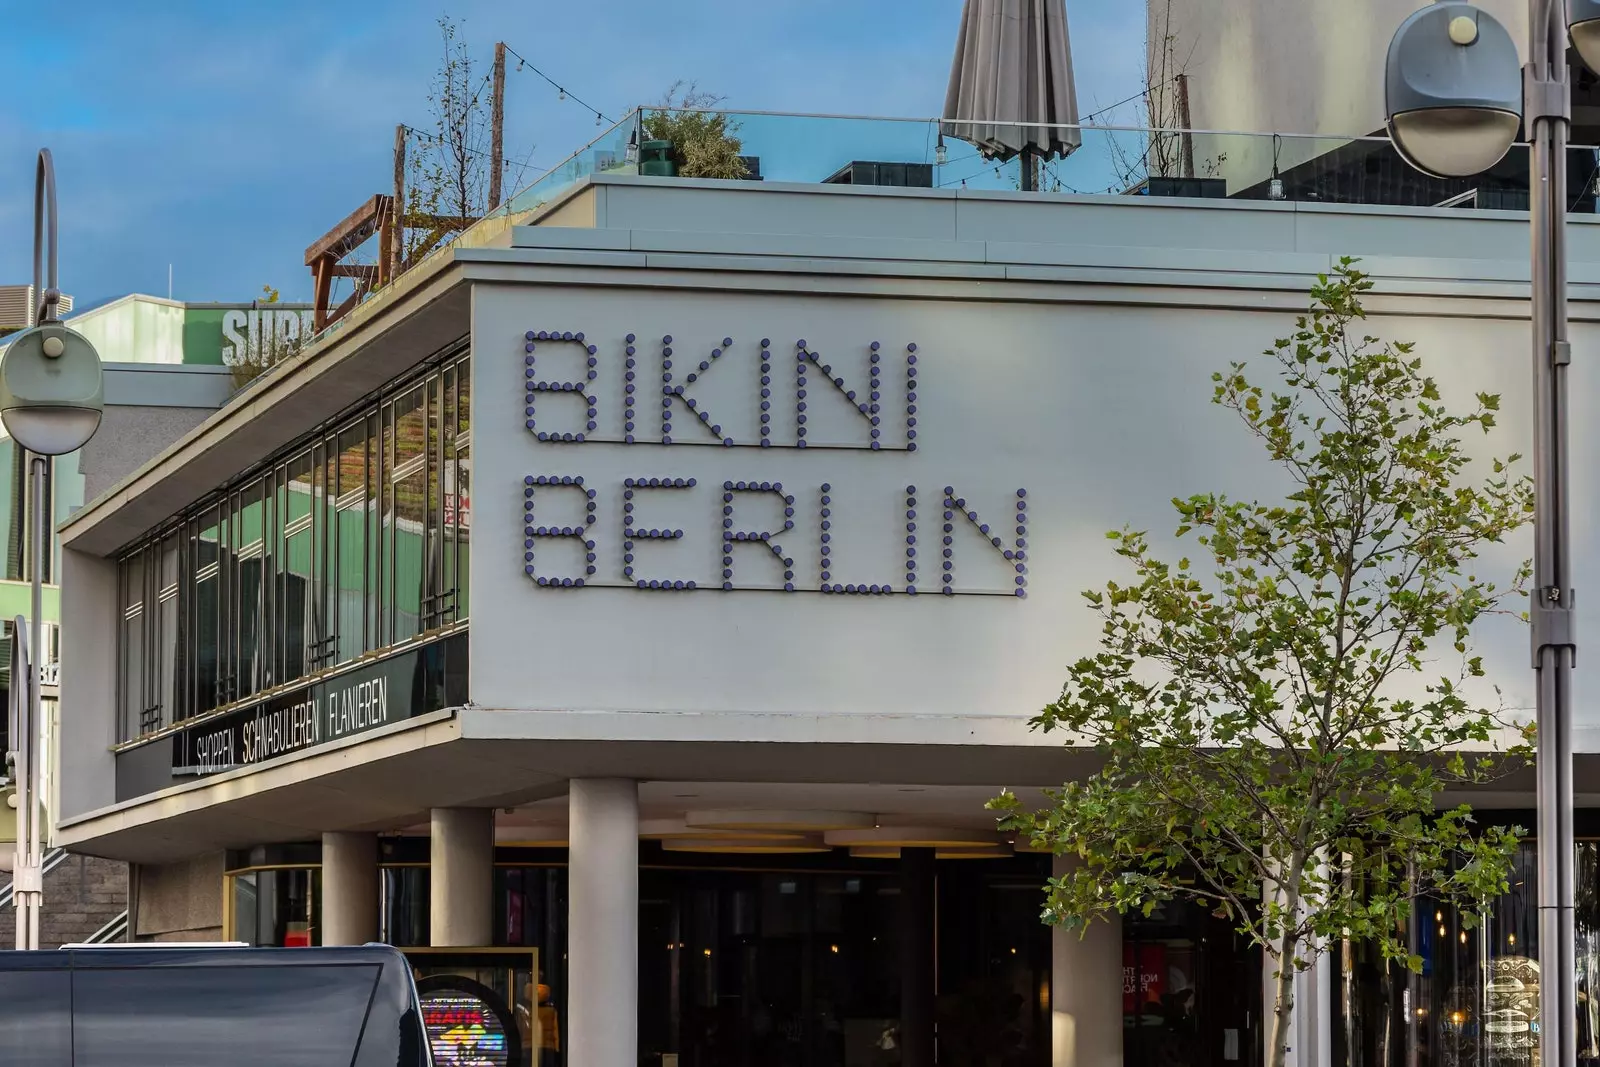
(1450, 98)
(50, 404)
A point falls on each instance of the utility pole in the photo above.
(397, 234)
(497, 126)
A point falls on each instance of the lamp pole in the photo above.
(51, 398)
(1547, 110)
(1452, 105)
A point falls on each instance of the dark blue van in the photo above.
(193, 1006)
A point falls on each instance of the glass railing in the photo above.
(1086, 160)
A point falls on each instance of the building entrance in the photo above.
(1191, 991)
(801, 966)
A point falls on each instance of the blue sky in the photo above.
(223, 138)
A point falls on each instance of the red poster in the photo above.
(1143, 977)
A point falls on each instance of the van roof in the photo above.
(178, 954)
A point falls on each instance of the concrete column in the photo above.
(461, 900)
(918, 936)
(1085, 990)
(349, 888)
(603, 923)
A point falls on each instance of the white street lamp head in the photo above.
(51, 386)
(1453, 90)
(1583, 25)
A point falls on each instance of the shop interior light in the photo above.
(913, 837)
(780, 821)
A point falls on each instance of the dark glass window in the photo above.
(36, 1022)
(132, 645)
(164, 639)
(403, 915)
(351, 542)
(407, 519)
(282, 1016)
(277, 908)
(206, 559)
(348, 542)
(249, 604)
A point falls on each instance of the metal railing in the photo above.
(1100, 160)
(111, 933)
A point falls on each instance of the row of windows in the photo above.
(351, 543)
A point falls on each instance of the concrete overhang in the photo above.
(475, 757)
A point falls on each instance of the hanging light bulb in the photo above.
(561, 94)
(631, 153)
(940, 156)
(597, 118)
(1275, 186)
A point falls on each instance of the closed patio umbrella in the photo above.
(1011, 76)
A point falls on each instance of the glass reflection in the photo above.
(1476, 1000)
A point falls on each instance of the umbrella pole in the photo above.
(1030, 171)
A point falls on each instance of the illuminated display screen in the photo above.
(464, 1031)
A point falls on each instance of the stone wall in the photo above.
(81, 895)
(178, 901)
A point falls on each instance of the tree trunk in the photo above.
(1283, 1003)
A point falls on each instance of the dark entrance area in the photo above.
(1191, 991)
(799, 964)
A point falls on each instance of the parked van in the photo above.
(199, 1006)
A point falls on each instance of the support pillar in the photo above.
(603, 923)
(918, 979)
(349, 888)
(461, 897)
(1085, 990)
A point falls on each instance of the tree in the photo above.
(703, 140)
(1274, 730)
(1166, 148)
(449, 167)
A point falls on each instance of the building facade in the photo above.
(632, 619)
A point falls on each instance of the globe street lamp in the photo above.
(50, 403)
(1450, 92)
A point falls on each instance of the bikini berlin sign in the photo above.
(872, 409)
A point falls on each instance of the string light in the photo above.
(561, 90)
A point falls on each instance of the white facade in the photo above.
(1064, 348)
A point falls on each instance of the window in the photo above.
(36, 1025)
(164, 638)
(200, 1016)
(132, 647)
(404, 528)
(249, 559)
(278, 908)
(205, 557)
(347, 543)
(299, 633)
